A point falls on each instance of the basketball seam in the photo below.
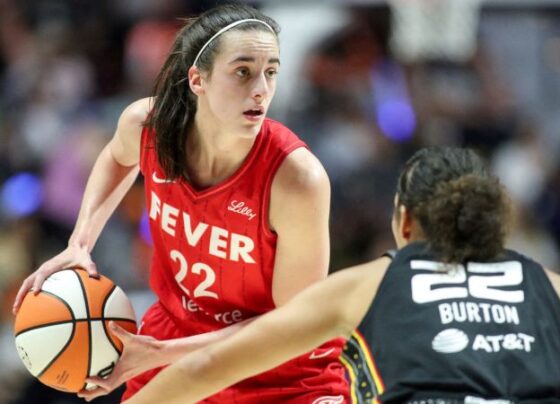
(74, 321)
(103, 322)
(59, 352)
(45, 326)
(86, 301)
(112, 319)
(106, 299)
(54, 323)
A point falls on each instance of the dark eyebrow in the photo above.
(252, 59)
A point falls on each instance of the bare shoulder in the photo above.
(136, 113)
(300, 192)
(301, 172)
(125, 145)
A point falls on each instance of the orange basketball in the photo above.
(62, 333)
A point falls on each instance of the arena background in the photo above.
(365, 83)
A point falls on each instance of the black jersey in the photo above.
(445, 334)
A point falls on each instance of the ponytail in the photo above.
(465, 219)
(174, 109)
(462, 210)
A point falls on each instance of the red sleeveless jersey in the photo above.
(214, 256)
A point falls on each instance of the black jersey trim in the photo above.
(391, 254)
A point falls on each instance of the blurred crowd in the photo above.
(364, 85)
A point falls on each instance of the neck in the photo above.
(214, 154)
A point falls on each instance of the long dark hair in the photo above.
(174, 107)
(462, 209)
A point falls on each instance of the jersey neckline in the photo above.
(213, 189)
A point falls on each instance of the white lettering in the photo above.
(496, 276)
(459, 312)
(202, 288)
(236, 315)
(155, 206)
(229, 317)
(192, 306)
(218, 242)
(527, 341)
(495, 340)
(169, 219)
(512, 316)
(498, 314)
(472, 312)
(510, 342)
(448, 282)
(193, 237)
(485, 311)
(221, 243)
(189, 305)
(241, 246)
(445, 313)
(241, 208)
(481, 343)
(477, 313)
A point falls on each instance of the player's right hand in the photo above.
(71, 257)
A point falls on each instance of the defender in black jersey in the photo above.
(451, 317)
(458, 334)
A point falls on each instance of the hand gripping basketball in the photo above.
(62, 333)
(140, 353)
(71, 257)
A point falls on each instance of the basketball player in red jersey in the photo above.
(238, 209)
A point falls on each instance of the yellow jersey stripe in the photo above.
(353, 378)
(380, 386)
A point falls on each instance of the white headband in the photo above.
(226, 28)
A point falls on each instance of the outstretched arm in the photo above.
(142, 353)
(326, 310)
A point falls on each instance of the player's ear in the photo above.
(195, 80)
(405, 223)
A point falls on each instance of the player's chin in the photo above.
(252, 128)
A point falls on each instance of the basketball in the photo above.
(62, 333)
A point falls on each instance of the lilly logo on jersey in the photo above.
(241, 208)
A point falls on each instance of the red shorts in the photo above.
(314, 378)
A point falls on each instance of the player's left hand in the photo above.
(139, 355)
